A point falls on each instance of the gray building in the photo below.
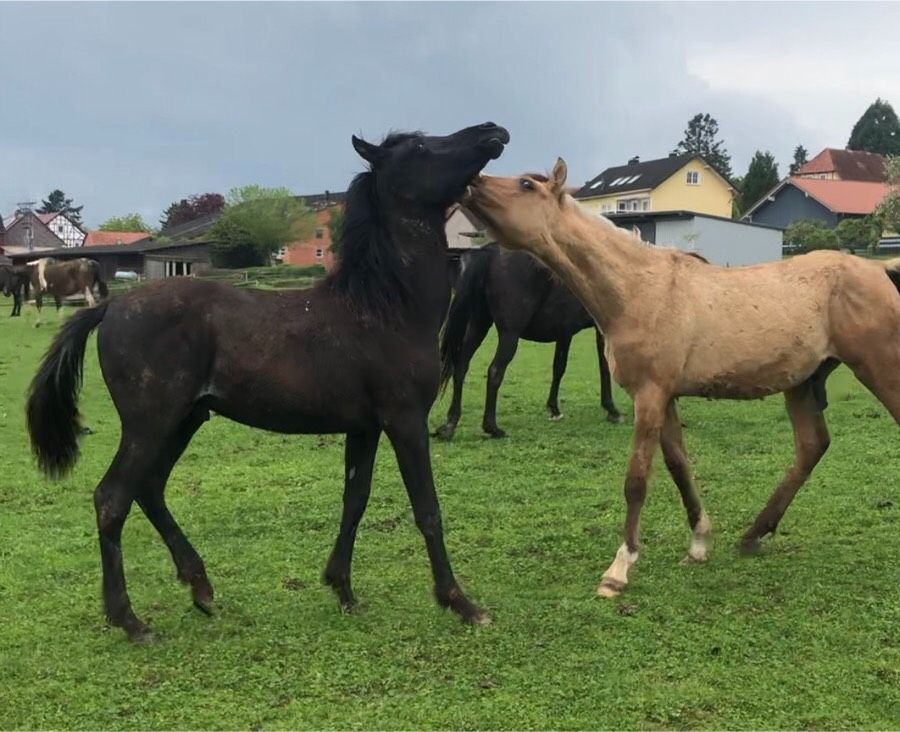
(726, 242)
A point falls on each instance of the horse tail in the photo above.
(52, 409)
(470, 301)
(98, 276)
(892, 268)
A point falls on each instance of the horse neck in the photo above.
(421, 243)
(601, 263)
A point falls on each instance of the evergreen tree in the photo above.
(762, 176)
(700, 138)
(800, 159)
(878, 130)
(57, 202)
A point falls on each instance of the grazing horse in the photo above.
(355, 354)
(61, 278)
(675, 326)
(15, 281)
(522, 299)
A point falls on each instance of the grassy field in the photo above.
(803, 636)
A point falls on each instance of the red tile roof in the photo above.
(844, 196)
(109, 238)
(46, 218)
(847, 164)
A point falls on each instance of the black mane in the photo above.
(369, 271)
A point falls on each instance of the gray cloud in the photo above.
(129, 106)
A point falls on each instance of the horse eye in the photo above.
(525, 184)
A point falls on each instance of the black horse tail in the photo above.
(52, 409)
(892, 268)
(98, 275)
(470, 301)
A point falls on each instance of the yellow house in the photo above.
(676, 183)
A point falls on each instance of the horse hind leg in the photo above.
(881, 375)
(112, 502)
(189, 566)
(506, 350)
(89, 296)
(475, 333)
(811, 441)
(672, 442)
(560, 361)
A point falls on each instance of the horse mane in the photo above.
(369, 269)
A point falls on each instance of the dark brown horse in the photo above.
(357, 353)
(15, 281)
(522, 299)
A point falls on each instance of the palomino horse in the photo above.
(61, 278)
(675, 326)
(523, 299)
(357, 353)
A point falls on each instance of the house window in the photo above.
(693, 177)
(624, 205)
(320, 253)
(59, 228)
(320, 233)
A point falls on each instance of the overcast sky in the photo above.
(129, 106)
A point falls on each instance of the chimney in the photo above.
(635, 160)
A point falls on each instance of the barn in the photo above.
(722, 241)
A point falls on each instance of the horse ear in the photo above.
(367, 151)
(558, 176)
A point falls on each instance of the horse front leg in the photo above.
(89, 296)
(408, 434)
(649, 417)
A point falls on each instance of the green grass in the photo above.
(804, 636)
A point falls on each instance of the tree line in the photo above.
(255, 222)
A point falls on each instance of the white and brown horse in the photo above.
(62, 278)
(675, 326)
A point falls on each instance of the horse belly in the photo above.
(752, 370)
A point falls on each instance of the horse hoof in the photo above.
(203, 600)
(694, 558)
(613, 418)
(556, 417)
(496, 433)
(480, 618)
(609, 588)
(444, 432)
(750, 547)
(140, 634)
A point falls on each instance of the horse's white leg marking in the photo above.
(89, 296)
(42, 265)
(700, 539)
(616, 577)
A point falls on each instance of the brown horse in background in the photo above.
(675, 326)
(61, 278)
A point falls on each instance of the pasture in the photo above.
(803, 636)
